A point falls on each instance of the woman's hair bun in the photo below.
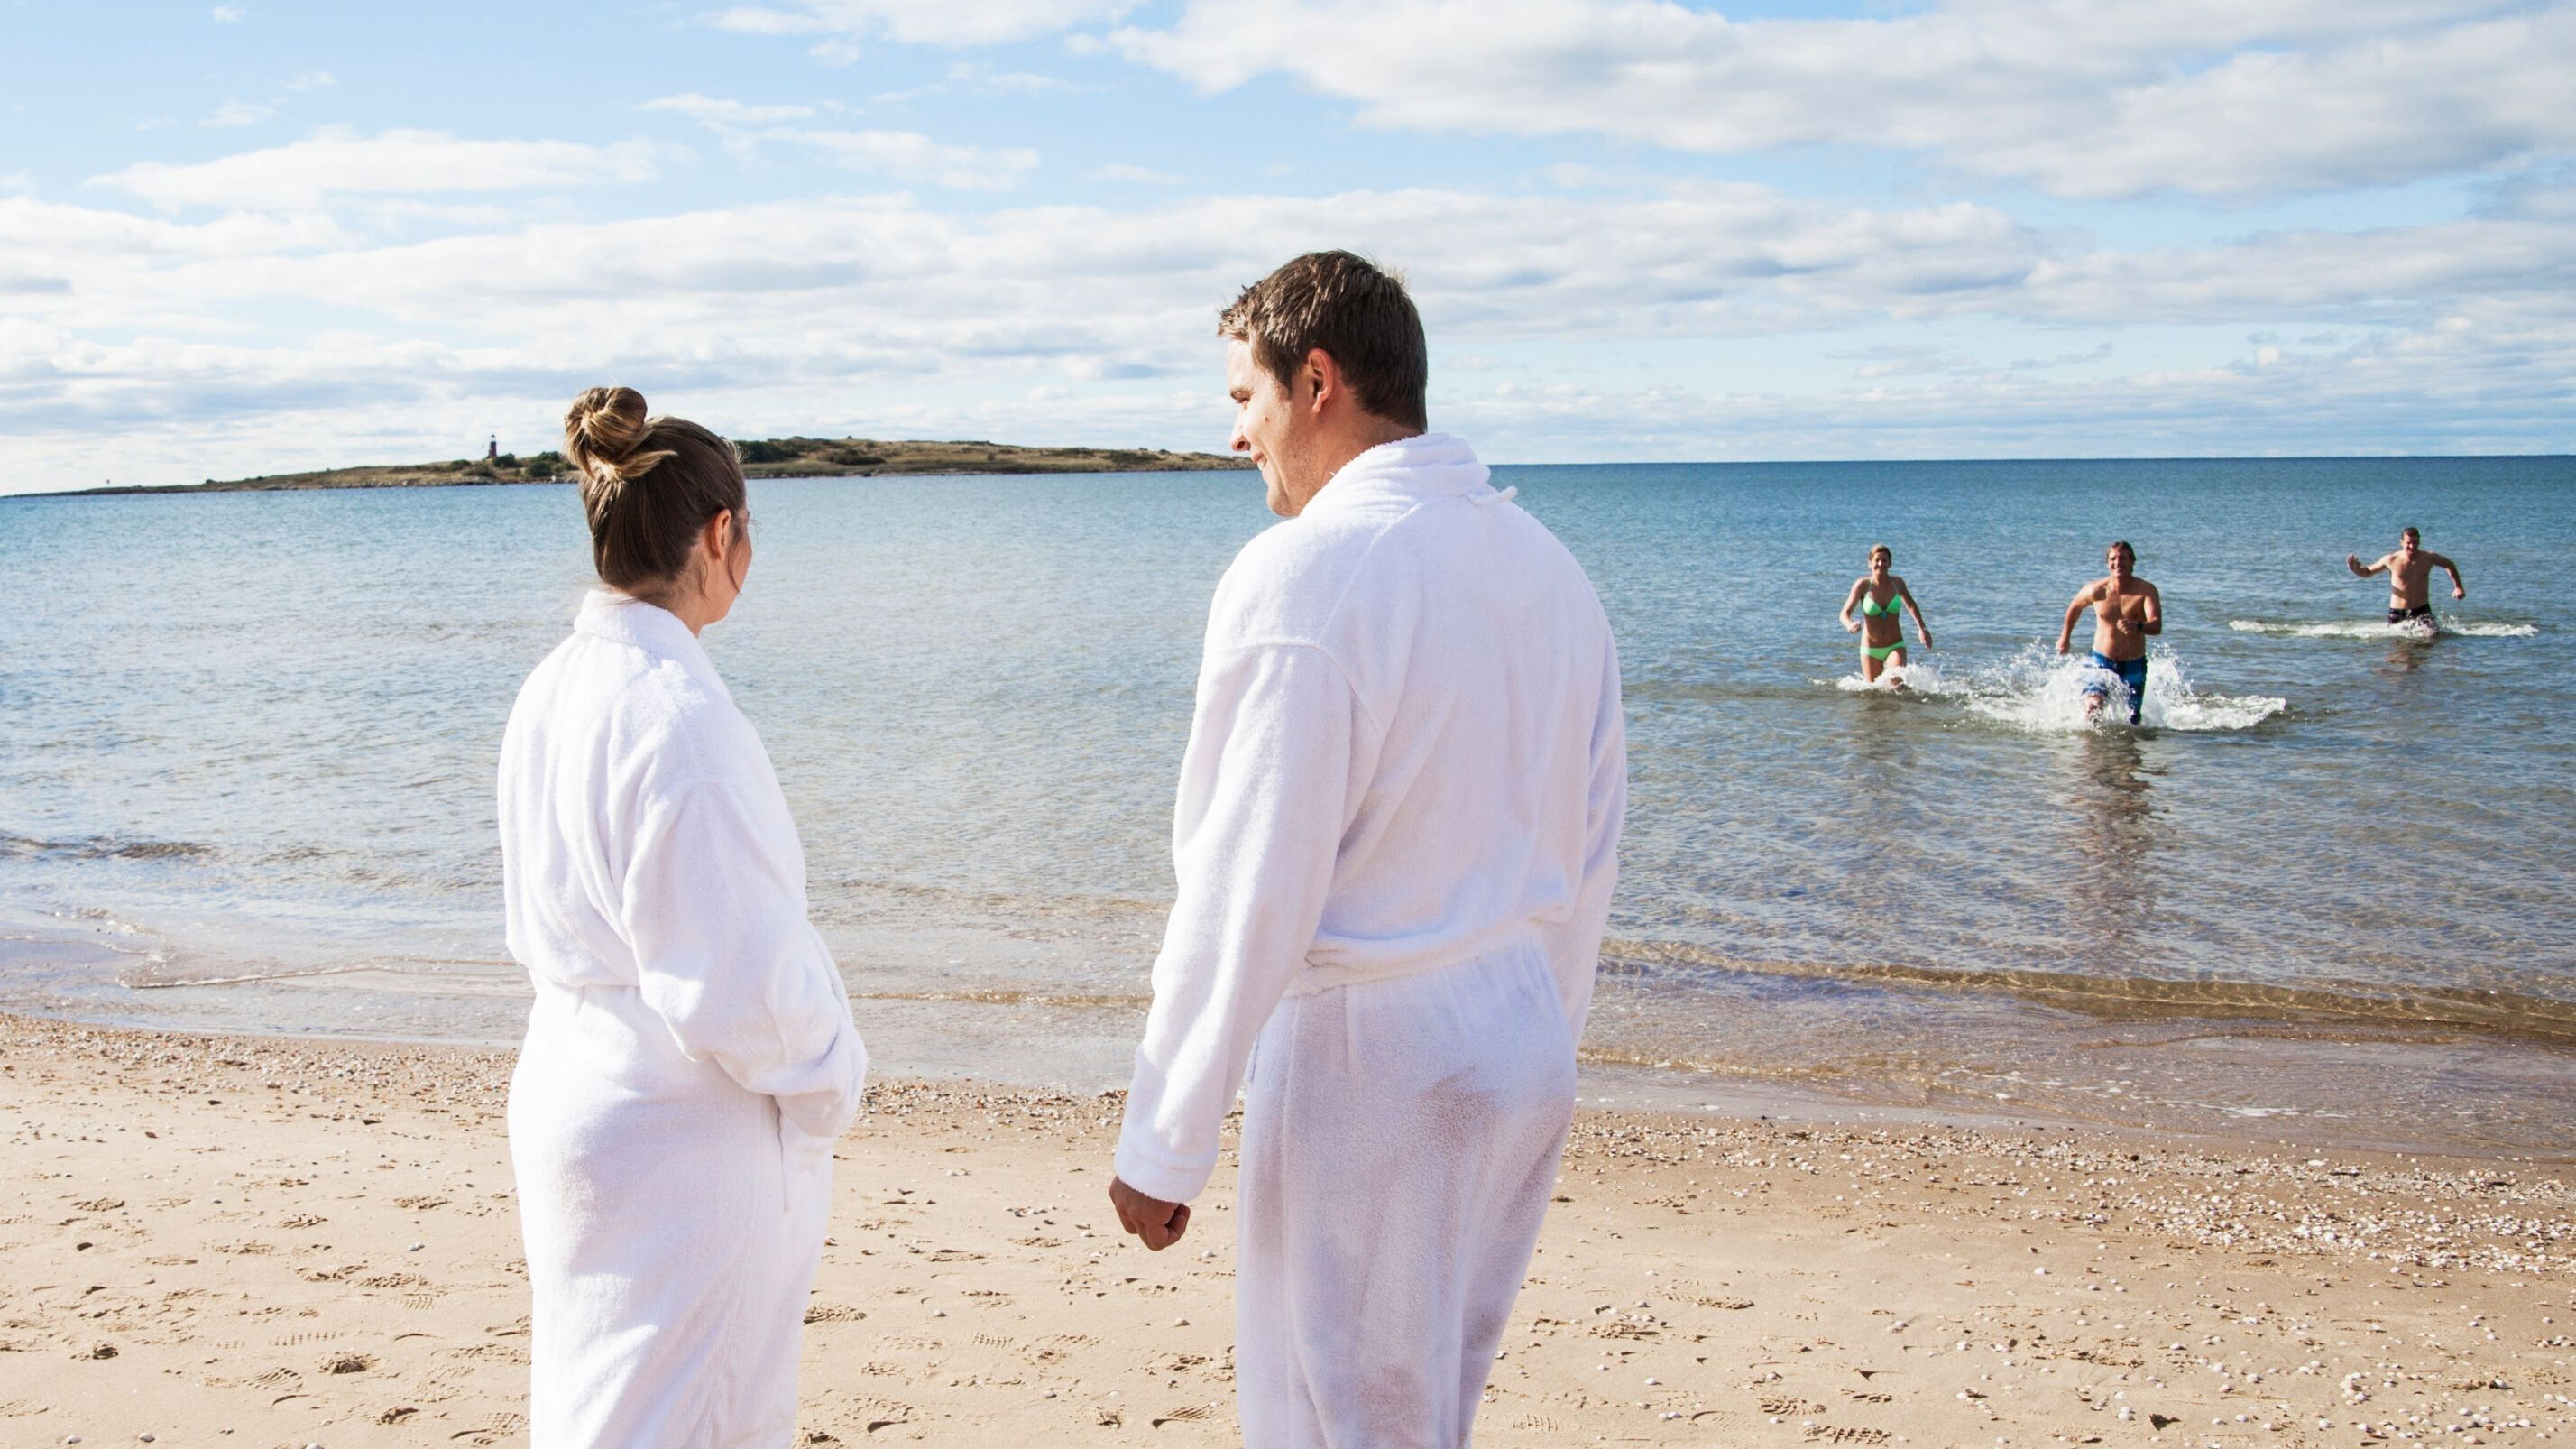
(602, 433)
(648, 485)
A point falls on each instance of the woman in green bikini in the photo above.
(1875, 599)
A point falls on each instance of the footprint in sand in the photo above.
(870, 1415)
(1193, 1414)
(1056, 1348)
(493, 1430)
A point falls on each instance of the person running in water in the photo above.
(1878, 595)
(2126, 609)
(2410, 579)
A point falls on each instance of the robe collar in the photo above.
(1426, 465)
(624, 619)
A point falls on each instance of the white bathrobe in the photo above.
(690, 1057)
(1396, 838)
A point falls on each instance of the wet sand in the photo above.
(244, 1241)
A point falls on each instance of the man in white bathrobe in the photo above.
(1396, 837)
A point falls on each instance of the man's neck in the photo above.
(1366, 432)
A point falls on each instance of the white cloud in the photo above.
(911, 156)
(240, 113)
(125, 334)
(337, 161)
(2087, 98)
(710, 111)
(903, 155)
(251, 113)
(918, 22)
(227, 14)
(1137, 175)
(973, 78)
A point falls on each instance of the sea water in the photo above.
(247, 741)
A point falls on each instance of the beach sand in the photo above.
(242, 1241)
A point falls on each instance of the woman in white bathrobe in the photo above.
(690, 1057)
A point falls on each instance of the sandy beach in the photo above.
(228, 1240)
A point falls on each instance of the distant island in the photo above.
(761, 458)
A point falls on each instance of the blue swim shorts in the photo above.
(2132, 672)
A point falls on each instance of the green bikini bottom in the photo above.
(1881, 651)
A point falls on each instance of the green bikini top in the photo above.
(1871, 608)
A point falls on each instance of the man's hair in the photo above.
(2410, 533)
(2123, 547)
(1357, 313)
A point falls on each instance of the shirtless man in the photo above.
(2126, 609)
(2410, 579)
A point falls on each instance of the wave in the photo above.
(2501, 1013)
(99, 847)
(2375, 629)
(1004, 996)
(161, 970)
(1922, 676)
(2044, 692)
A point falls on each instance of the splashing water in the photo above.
(1923, 676)
(2042, 691)
(2373, 629)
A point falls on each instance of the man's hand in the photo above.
(2061, 642)
(2458, 592)
(1158, 1222)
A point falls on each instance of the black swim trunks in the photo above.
(2409, 616)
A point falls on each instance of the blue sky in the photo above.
(264, 236)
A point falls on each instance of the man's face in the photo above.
(2118, 561)
(2406, 543)
(1265, 426)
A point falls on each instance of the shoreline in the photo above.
(2254, 1081)
(219, 1238)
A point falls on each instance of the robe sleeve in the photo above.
(715, 909)
(1262, 808)
(1573, 943)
